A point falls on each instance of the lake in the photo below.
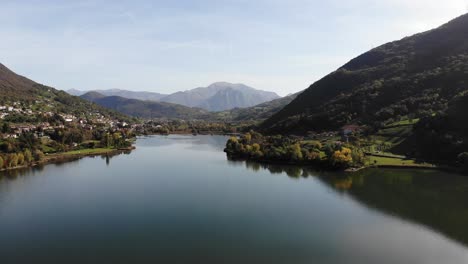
(178, 199)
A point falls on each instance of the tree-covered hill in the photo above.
(25, 93)
(148, 109)
(417, 76)
(258, 112)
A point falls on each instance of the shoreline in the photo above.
(353, 170)
(70, 156)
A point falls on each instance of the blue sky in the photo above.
(167, 46)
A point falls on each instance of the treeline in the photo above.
(195, 127)
(24, 158)
(282, 149)
(443, 137)
(65, 139)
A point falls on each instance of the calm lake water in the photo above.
(178, 199)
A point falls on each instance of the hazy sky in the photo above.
(166, 46)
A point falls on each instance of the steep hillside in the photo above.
(416, 76)
(228, 99)
(258, 112)
(16, 89)
(440, 137)
(92, 96)
(221, 96)
(147, 109)
(14, 86)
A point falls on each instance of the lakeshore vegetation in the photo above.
(254, 146)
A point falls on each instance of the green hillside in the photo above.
(257, 113)
(415, 77)
(27, 94)
(148, 109)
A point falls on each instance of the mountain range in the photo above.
(16, 88)
(216, 97)
(163, 110)
(147, 109)
(145, 96)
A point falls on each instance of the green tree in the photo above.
(314, 145)
(5, 128)
(247, 138)
(38, 155)
(2, 162)
(20, 159)
(28, 156)
(108, 140)
(358, 157)
(296, 152)
(12, 160)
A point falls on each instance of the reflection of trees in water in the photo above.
(108, 156)
(291, 170)
(215, 141)
(434, 199)
(14, 174)
(31, 171)
(430, 198)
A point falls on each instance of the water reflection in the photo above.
(294, 172)
(216, 142)
(434, 199)
(31, 171)
(186, 204)
(14, 174)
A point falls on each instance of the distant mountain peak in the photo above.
(217, 96)
(221, 96)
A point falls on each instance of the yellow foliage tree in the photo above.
(342, 157)
(247, 138)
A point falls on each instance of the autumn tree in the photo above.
(38, 155)
(342, 158)
(28, 156)
(296, 152)
(20, 159)
(12, 160)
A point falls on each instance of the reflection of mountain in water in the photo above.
(434, 199)
(217, 142)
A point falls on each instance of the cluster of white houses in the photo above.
(40, 130)
(6, 110)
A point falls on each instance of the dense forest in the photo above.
(415, 76)
(419, 78)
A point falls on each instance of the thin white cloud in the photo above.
(272, 45)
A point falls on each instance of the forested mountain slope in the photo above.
(416, 76)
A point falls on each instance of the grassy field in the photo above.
(96, 151)
(388, 161)
(405, 122)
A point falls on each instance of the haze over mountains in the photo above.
(16, 88)
(216, 97)
(148, 109)
(148, 96)
(164, 110)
